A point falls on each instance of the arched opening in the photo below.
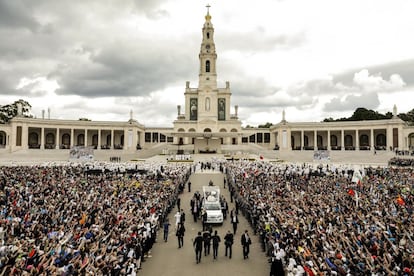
(81, 140)
(50, 141)
(381, 141)
(410, 141)
(207, 66)
(334, 141)
(95, 140)
(2, 139)
(208, 35)
(108, 141)
(292, 142)
(33, 140)
(66, 141)
(349, 143)
(122, 140)
(364, 142)
(319, 141)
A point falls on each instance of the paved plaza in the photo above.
(169, 260)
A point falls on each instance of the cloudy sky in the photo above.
(101, 58)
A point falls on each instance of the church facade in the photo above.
(205, 123)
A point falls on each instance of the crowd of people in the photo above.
(328, 220)
(401, 162)
(76, 220)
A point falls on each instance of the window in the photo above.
(207, 66)
(147, 137)
(259, 137)
(19, 136)
(208, 35)
(267, 137)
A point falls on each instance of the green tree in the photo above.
(9, 111)
(267, 125)
(408, 117)
(361, 114)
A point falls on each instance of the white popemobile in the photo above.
(211, 204)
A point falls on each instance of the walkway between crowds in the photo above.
(168, 259)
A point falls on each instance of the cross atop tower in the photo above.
(208, 16)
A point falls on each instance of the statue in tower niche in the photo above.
(193, 109)
(221, 109)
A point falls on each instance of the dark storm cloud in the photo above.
(121, 70)
(351, 102)
(15, 14)
(403, 68)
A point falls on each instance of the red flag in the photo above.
(400, 201)
(351, 192)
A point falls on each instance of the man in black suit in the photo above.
(180, 234)
(234, 221)
(228, 242)
(198, 246)
(207, 242)
(216, 241)
(246, 242)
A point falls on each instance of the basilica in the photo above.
(206, 123)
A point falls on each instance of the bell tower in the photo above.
(207, 76)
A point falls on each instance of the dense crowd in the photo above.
(81, 220)
(401, 162)
(329, 220)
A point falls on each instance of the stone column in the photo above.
(302, 139)
(72, 137)
(389, 138)
(86, 138)
(356, 139)
(126, 146)
(372, 144)
(98, 147)
(57, 139)
(329, 140)
(342, 140)
(112, 139)
(25, 137)
(42, 138)
(315, 140)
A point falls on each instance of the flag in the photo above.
(351, 192)
(357, 177)
(400, 201)
(83, 219)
